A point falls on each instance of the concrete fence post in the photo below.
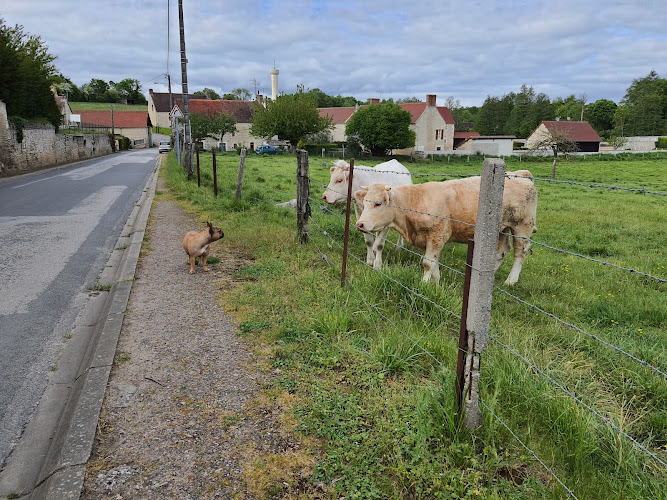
(302, 195)
(482, 275)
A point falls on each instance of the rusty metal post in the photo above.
(198, 176)
(302, 195)
(463, 332)
(239, 180)
(215, 177)
(347, 223)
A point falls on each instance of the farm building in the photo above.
(494, 145)
(586, 139)
(433, 125)
(241, 111)
(159, 107)
(135, 125)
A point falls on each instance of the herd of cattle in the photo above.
(431, 214)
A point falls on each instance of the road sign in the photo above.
(176, 112)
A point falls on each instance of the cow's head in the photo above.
(336, 191)
(378, 213)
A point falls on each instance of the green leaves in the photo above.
(382, 126)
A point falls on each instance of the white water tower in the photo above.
(274, 84)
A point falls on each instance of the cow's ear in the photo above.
(361, 194)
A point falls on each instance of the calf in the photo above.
(407, 209)
(391, 173)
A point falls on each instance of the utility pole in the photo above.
(187, 139)
(113, 133)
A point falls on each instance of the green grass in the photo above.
(383, 411)
(103, 106)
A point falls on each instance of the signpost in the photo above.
(176, 113)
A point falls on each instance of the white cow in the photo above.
(391, 173)
(410, 210)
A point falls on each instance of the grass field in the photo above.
(377, 415)
(103, 106)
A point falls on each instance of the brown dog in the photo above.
(196, 244)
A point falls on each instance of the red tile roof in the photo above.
(465, 135)
(241, 111)
(161, 100)
(124, 119)
(578, 131)
(338, 115)
(417, 108)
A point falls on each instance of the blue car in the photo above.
(266, 149)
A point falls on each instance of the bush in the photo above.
(123, 143)
(19, 125)
(662, 143)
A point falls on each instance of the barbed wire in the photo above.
(377, 310)
(571, 395)
(509, 175)
(553, 316)
(368, 303)
(553, 474)
(591, 335)
(585, 257)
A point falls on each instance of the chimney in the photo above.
(260, 99)
(374, 100)
(150, 91)
(274, 84)
(430, 99)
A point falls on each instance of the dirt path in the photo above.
(172, 424)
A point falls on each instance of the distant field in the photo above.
(364, 373)
(101, 106)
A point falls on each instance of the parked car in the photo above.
(164, 147)
(266, 149)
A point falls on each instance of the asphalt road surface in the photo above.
(57, 229)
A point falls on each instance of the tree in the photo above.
(570, 107)
(600, 115)
(212, 94)
(129, 89)
(406, 100)
(646, 101)
(27, 75)
(238, 95)
(291, 117)
(494, 114)
(381, 127)
(558, 141)
(203, 126)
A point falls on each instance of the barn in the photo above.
(586, 139)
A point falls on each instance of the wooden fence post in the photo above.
(198, 176)
(347, 223)
(239, 181)
(482, 275)
(215, 176)
(302, 195)
(463, 331)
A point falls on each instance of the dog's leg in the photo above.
(202, 261)
(192, 264)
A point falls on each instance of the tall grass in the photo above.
(383, 409)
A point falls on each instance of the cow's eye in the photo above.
(378, 204)
(339, 181)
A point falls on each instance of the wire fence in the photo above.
(333, 242)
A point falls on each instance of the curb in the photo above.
(50, 459)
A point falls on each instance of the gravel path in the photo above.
(172, 424)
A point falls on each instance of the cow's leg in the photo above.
(400, 241)
(503, 247)
(521, 248)
(369, 238)
(430, 261)
(378, 246)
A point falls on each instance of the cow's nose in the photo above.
(360, 226)
(324, 197)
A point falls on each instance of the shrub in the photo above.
(662, 143)
(19, 125)
(123, 143)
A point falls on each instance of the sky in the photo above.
(366, 49)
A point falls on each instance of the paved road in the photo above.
(57, 229)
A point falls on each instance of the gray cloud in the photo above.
(466, 49)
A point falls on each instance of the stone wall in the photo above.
(42, 147)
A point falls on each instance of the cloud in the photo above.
(466, 49)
